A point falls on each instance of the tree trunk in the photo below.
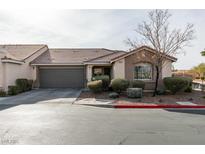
(156, 81)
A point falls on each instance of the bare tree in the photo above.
(156, 33)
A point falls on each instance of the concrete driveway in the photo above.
(64, 95)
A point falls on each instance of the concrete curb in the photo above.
(146, 106)
(158, 106)
(98, 105)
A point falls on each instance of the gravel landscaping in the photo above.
(194, 97)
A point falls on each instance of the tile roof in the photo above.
(20, 52)
(73, 55)
(107, 58)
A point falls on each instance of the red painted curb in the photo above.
(158, 106)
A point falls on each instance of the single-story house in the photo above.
(74, 67)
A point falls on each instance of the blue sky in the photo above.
(94, 28)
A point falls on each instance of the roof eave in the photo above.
(55, 64)
(12, 61)
(97, 63)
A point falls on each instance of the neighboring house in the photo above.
(185, 73)
(73, 68)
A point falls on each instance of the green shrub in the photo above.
(2, 93)
(189, 80)
(188, 89)
(95, 86)
(13, 90)
(105, 81)
(29, 85)
(113, 95)
(161, 92)
(22, 84)
(175, 84)
(119, 85)
(137, 84)
(189, 86)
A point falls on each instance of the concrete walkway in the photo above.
(93, 101)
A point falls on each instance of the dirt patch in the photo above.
(194, 97)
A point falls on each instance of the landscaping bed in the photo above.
(176, 91)
(194, 97)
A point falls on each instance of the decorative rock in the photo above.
(113, 95)
(160, 100)
(134, 92)
(190, 99)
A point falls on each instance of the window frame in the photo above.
(143, 64)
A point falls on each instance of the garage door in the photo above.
(72, 77)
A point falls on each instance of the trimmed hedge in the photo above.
(24, 84)
(137, 84)
(2, 93)
(119, 85)
(95, 86)
(13, 90)
(175, 84)
(105, 81)
(29, 85)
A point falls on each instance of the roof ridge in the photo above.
(79, 49)
(115, 50)
(21, 44)
(101, 56)
(110, 50)
(36, 52)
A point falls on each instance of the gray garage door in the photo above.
(73, 77)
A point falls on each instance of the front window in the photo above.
(98, 71)
(143, 71)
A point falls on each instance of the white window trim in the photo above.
(138, 64)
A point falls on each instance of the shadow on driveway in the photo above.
(61, 95)
(189, 111)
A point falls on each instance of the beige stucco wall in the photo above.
(15, 71)
(12, 71)
(167, 69)
(118, 69)
(89, 72)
